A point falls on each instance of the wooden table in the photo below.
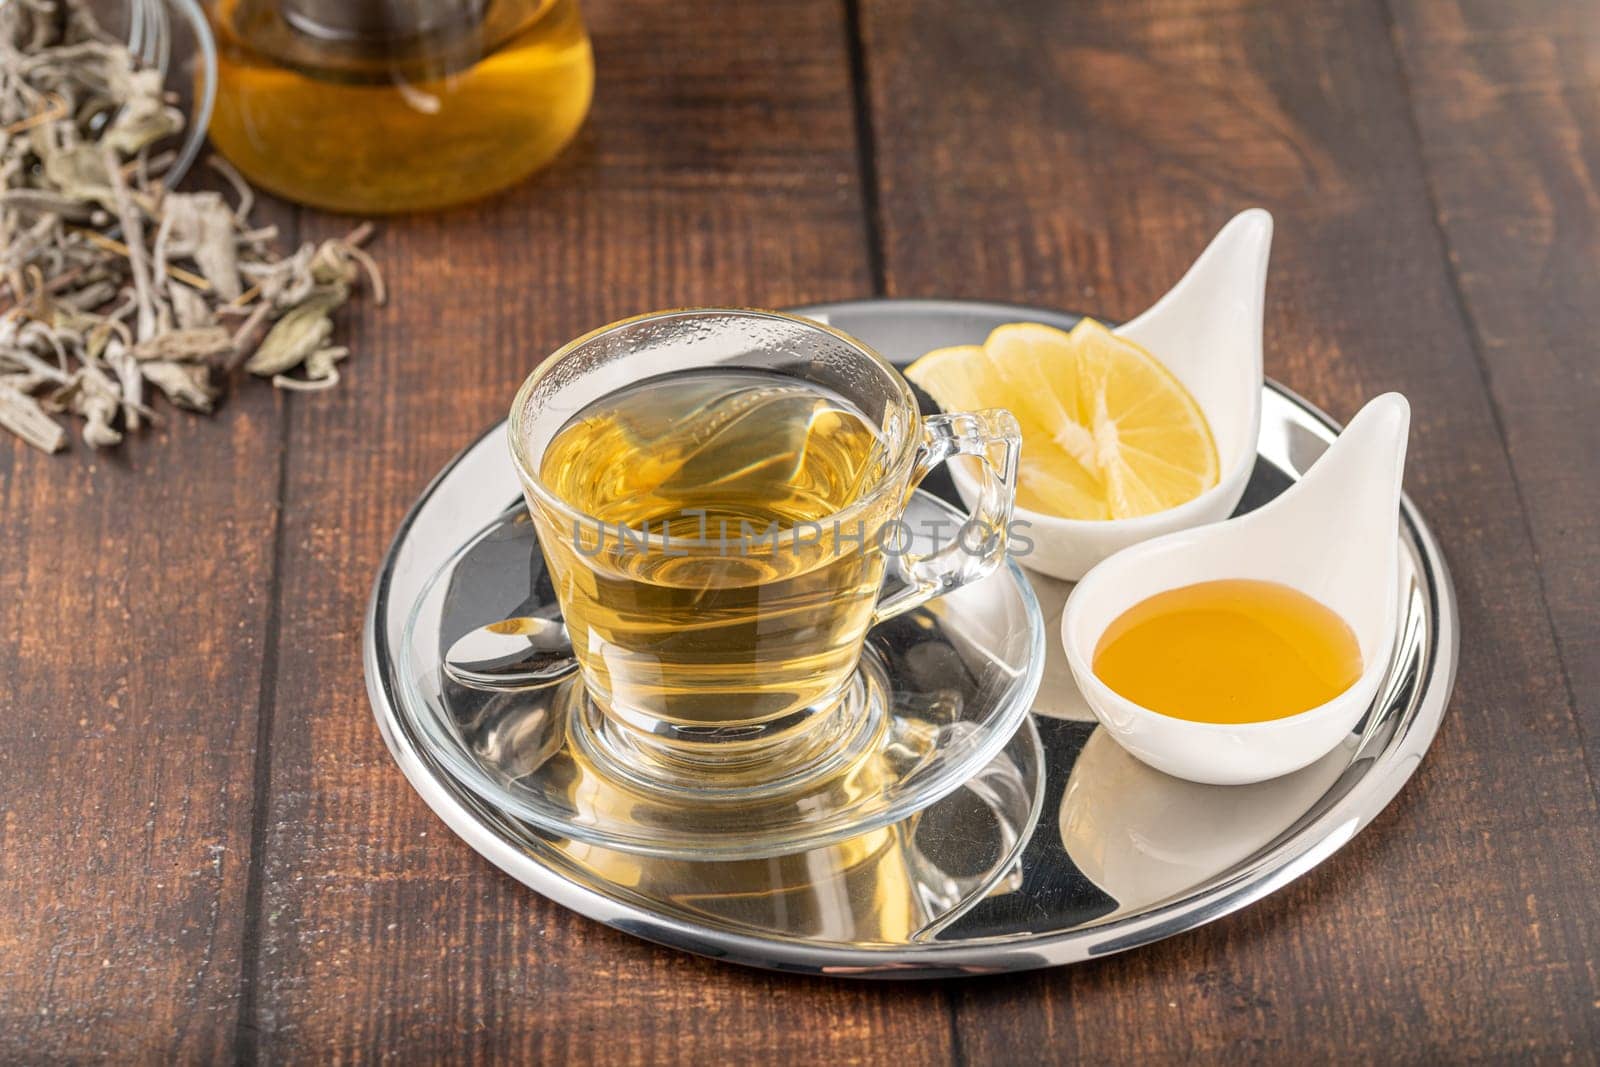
(206, 852)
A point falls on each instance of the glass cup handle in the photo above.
(993, 438)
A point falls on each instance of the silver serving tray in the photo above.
(1117, 855)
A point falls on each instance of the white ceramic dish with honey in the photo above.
(1207, 331)
(1332, 536)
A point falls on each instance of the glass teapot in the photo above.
(376, 106)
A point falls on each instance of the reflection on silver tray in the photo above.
(1118, 855)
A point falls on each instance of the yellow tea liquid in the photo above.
(708, 628)
(1229, 651)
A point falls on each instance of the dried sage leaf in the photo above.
(92, 397)
(299, 333)
(291, 339)
(22, 415)
(186, 385)
(126, 367)
(117, 285)
(145, 118)
(190, 307)
(202, 227)
(199, 342)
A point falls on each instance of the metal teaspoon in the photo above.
(515, 653)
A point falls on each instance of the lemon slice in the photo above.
(1107, 431)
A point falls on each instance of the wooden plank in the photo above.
(1080, 155)
(1506, 105)
(135, 592)
(719, 166)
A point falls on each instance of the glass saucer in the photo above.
(949, 684)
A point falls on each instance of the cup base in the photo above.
(835, 735)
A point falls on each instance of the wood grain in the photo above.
(1080, 155)
(1506, 105)
(135, 608)
(719, 166)
(171, 891)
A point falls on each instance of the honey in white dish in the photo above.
(1230, 651)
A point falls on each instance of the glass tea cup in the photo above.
(719, 494)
